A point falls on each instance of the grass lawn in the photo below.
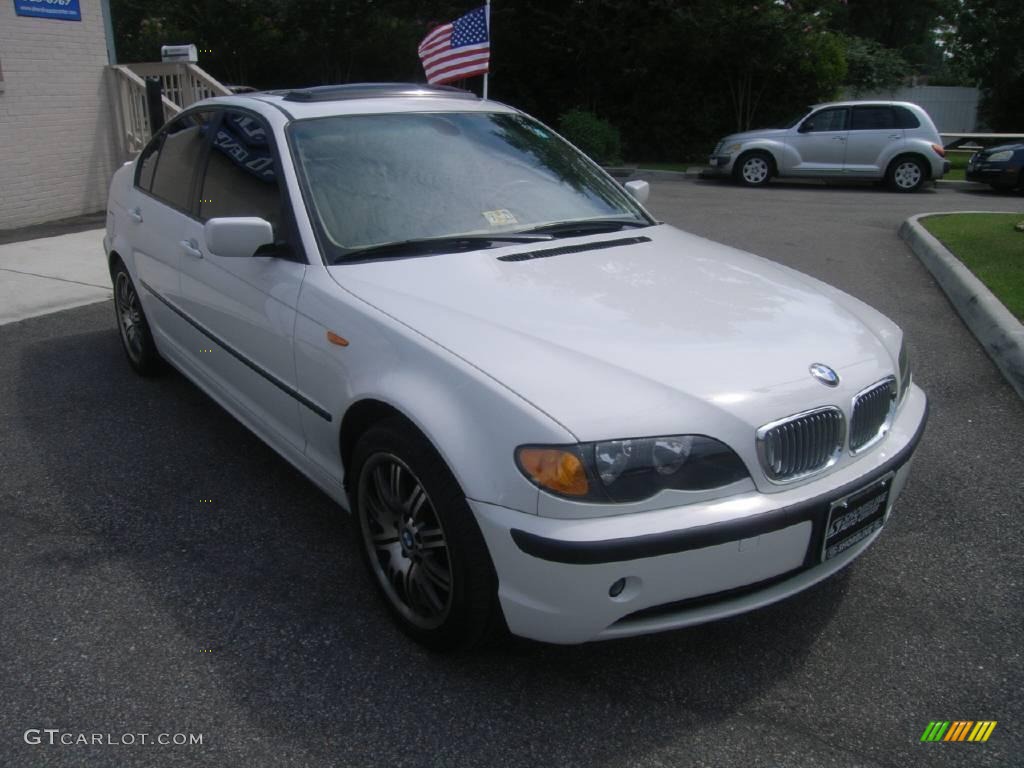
(990, 247)
(958, 161)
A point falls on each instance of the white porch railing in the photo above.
(183, 85)
(132, 114)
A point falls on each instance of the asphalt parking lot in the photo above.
(130, 605)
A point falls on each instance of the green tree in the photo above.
(672, 76)
(986, 43)
(911, 29)
(870, 66)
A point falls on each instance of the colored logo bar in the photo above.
(958, 730)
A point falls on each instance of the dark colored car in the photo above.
(1001, 167)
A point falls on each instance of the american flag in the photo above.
(457, 50)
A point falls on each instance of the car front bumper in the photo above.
(684, 565)
(719, 165)
(999, 174)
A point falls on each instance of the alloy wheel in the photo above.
(129, 316)
(907, 175)
(405, 541)
(755, 170)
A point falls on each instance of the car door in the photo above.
(244, 308)
(820, 142)
(159, 209)
(874, 138)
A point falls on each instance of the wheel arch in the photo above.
(473, 425)
(358, 418)
(112, 259)
(758, 149)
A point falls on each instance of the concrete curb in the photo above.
(690, 174)
(998, 331)
(649, 174)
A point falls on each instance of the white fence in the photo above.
(953, 110)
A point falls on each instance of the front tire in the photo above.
(754, 169)
(906, 174)
(136, 337)
(420, 541)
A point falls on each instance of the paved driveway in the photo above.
(129, 606)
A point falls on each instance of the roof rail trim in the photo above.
(321, 93)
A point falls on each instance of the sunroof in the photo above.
(375, 90)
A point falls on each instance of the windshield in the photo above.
(386, 178)
(792, 123)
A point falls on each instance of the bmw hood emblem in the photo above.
(824, 374)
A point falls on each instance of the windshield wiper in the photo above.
(586, 226)
(419, 246)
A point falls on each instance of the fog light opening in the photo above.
(616, 588)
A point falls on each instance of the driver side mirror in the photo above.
(806, 127)
(238, 236)
(640, 190)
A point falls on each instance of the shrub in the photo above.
(598, 138)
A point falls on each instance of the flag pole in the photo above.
(487, 17)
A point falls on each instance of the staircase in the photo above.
(183, 85)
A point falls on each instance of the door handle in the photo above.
(135, 214)
(838, 138)
(191, 247)
(895, 136)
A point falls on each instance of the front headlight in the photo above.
(1000, 157)
(732, 148)
(618, 471)
(905, 374)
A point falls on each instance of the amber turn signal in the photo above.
(556, 469)
(940, 151)
(334, 338)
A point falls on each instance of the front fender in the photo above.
(777, 149)
(473, 421)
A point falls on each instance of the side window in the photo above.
(179, 156)
(827, 120)
(147, 163)
(241, 175)
(905, 118)
(873, 119)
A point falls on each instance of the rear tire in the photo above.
(420, 541)
(906, 174)
(132, 325)
(754, 169)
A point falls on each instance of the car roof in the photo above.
(868, 103)
(361, 98)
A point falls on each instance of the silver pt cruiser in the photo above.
(895, 141)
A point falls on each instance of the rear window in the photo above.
(905, 118)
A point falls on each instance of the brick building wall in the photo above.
(57, 140)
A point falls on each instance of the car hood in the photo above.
(1001, 148)
(673, 332)
(762, 133)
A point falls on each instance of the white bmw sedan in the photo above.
(545, 410)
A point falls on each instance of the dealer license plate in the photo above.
(855, 517)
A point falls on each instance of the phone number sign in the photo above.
(65, 10)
